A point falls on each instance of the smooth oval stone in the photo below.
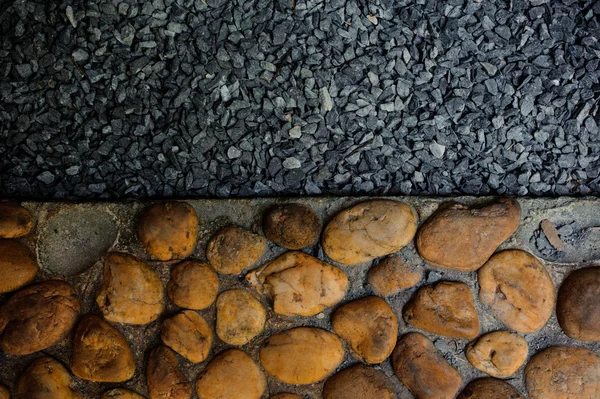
(369, 230)
(168, 230)
(394, 274)
(499, 353)
(578, 305)
(46, 378)
(100, 352)
(489, 388)
(188, 334)
(300, 284)
(233, 249)
(240, 317)
(24, 317)
(369, 327)
(15, 221)
(563, 372)
(359, 382)
(445, 308)
(423, 370)
(231, 374)
(463, 238)
(518, 290)
(164, 377)
(193, 285)
(18, 265)
(131, 291)
(302, 355)
(292, 226)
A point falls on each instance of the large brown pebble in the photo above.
(518, 290)
(46, 378)
(18, 265)
(100, 352)
(302, 355)
(489, 388)
(369, 327)
(168, 230)
(463, 238)
(359, 382)
(131, 291)
(240, 317)
(369, 230)
(292, 226)
(300, 284)
(188, 334)
(286, 395)
(499, 353)
(4, 392)
(121, 393)
(193, 285)
(24, 317)
(232, 374)
(423, 370)
(393, 274)
(164, 377)
(444, 308)
(233, 249)
(578, 306)
(563, 372)
(15, 221)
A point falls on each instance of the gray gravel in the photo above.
(165, 98)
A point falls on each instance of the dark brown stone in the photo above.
(578, 306)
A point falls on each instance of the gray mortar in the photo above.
(248, 212)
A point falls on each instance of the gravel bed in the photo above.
(168, 98)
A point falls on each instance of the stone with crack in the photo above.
(188, 334)
(300, 284)
(46, 378)
(164, 377)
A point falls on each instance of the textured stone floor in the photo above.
(71, 239)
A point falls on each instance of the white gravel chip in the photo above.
(437, 150)
(326, 101)
(295, 132)
(291, 163)
(233, 153)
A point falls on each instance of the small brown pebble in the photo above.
(100, 352)
(193, 285)
(489, 388)
(5, 393)
(24, 317)
(393, 274)
(369, 327)
(445, 308)
(46, 378)
(369, 230)
(15, 221)
(552, 235)
(300, 284)
(563, 372)
(423, 370)
(286, 395)
(578, 306)
(499, 353)
(463, 238)
(164, 377)
(292, 226)
(240, 317)
(18, 265)
(188, 334)
(121, 393)
(131, 291)
(232, 374)
(518, 290)
(359, 382)
(302, 355)
(168, 230)
(233, 249)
